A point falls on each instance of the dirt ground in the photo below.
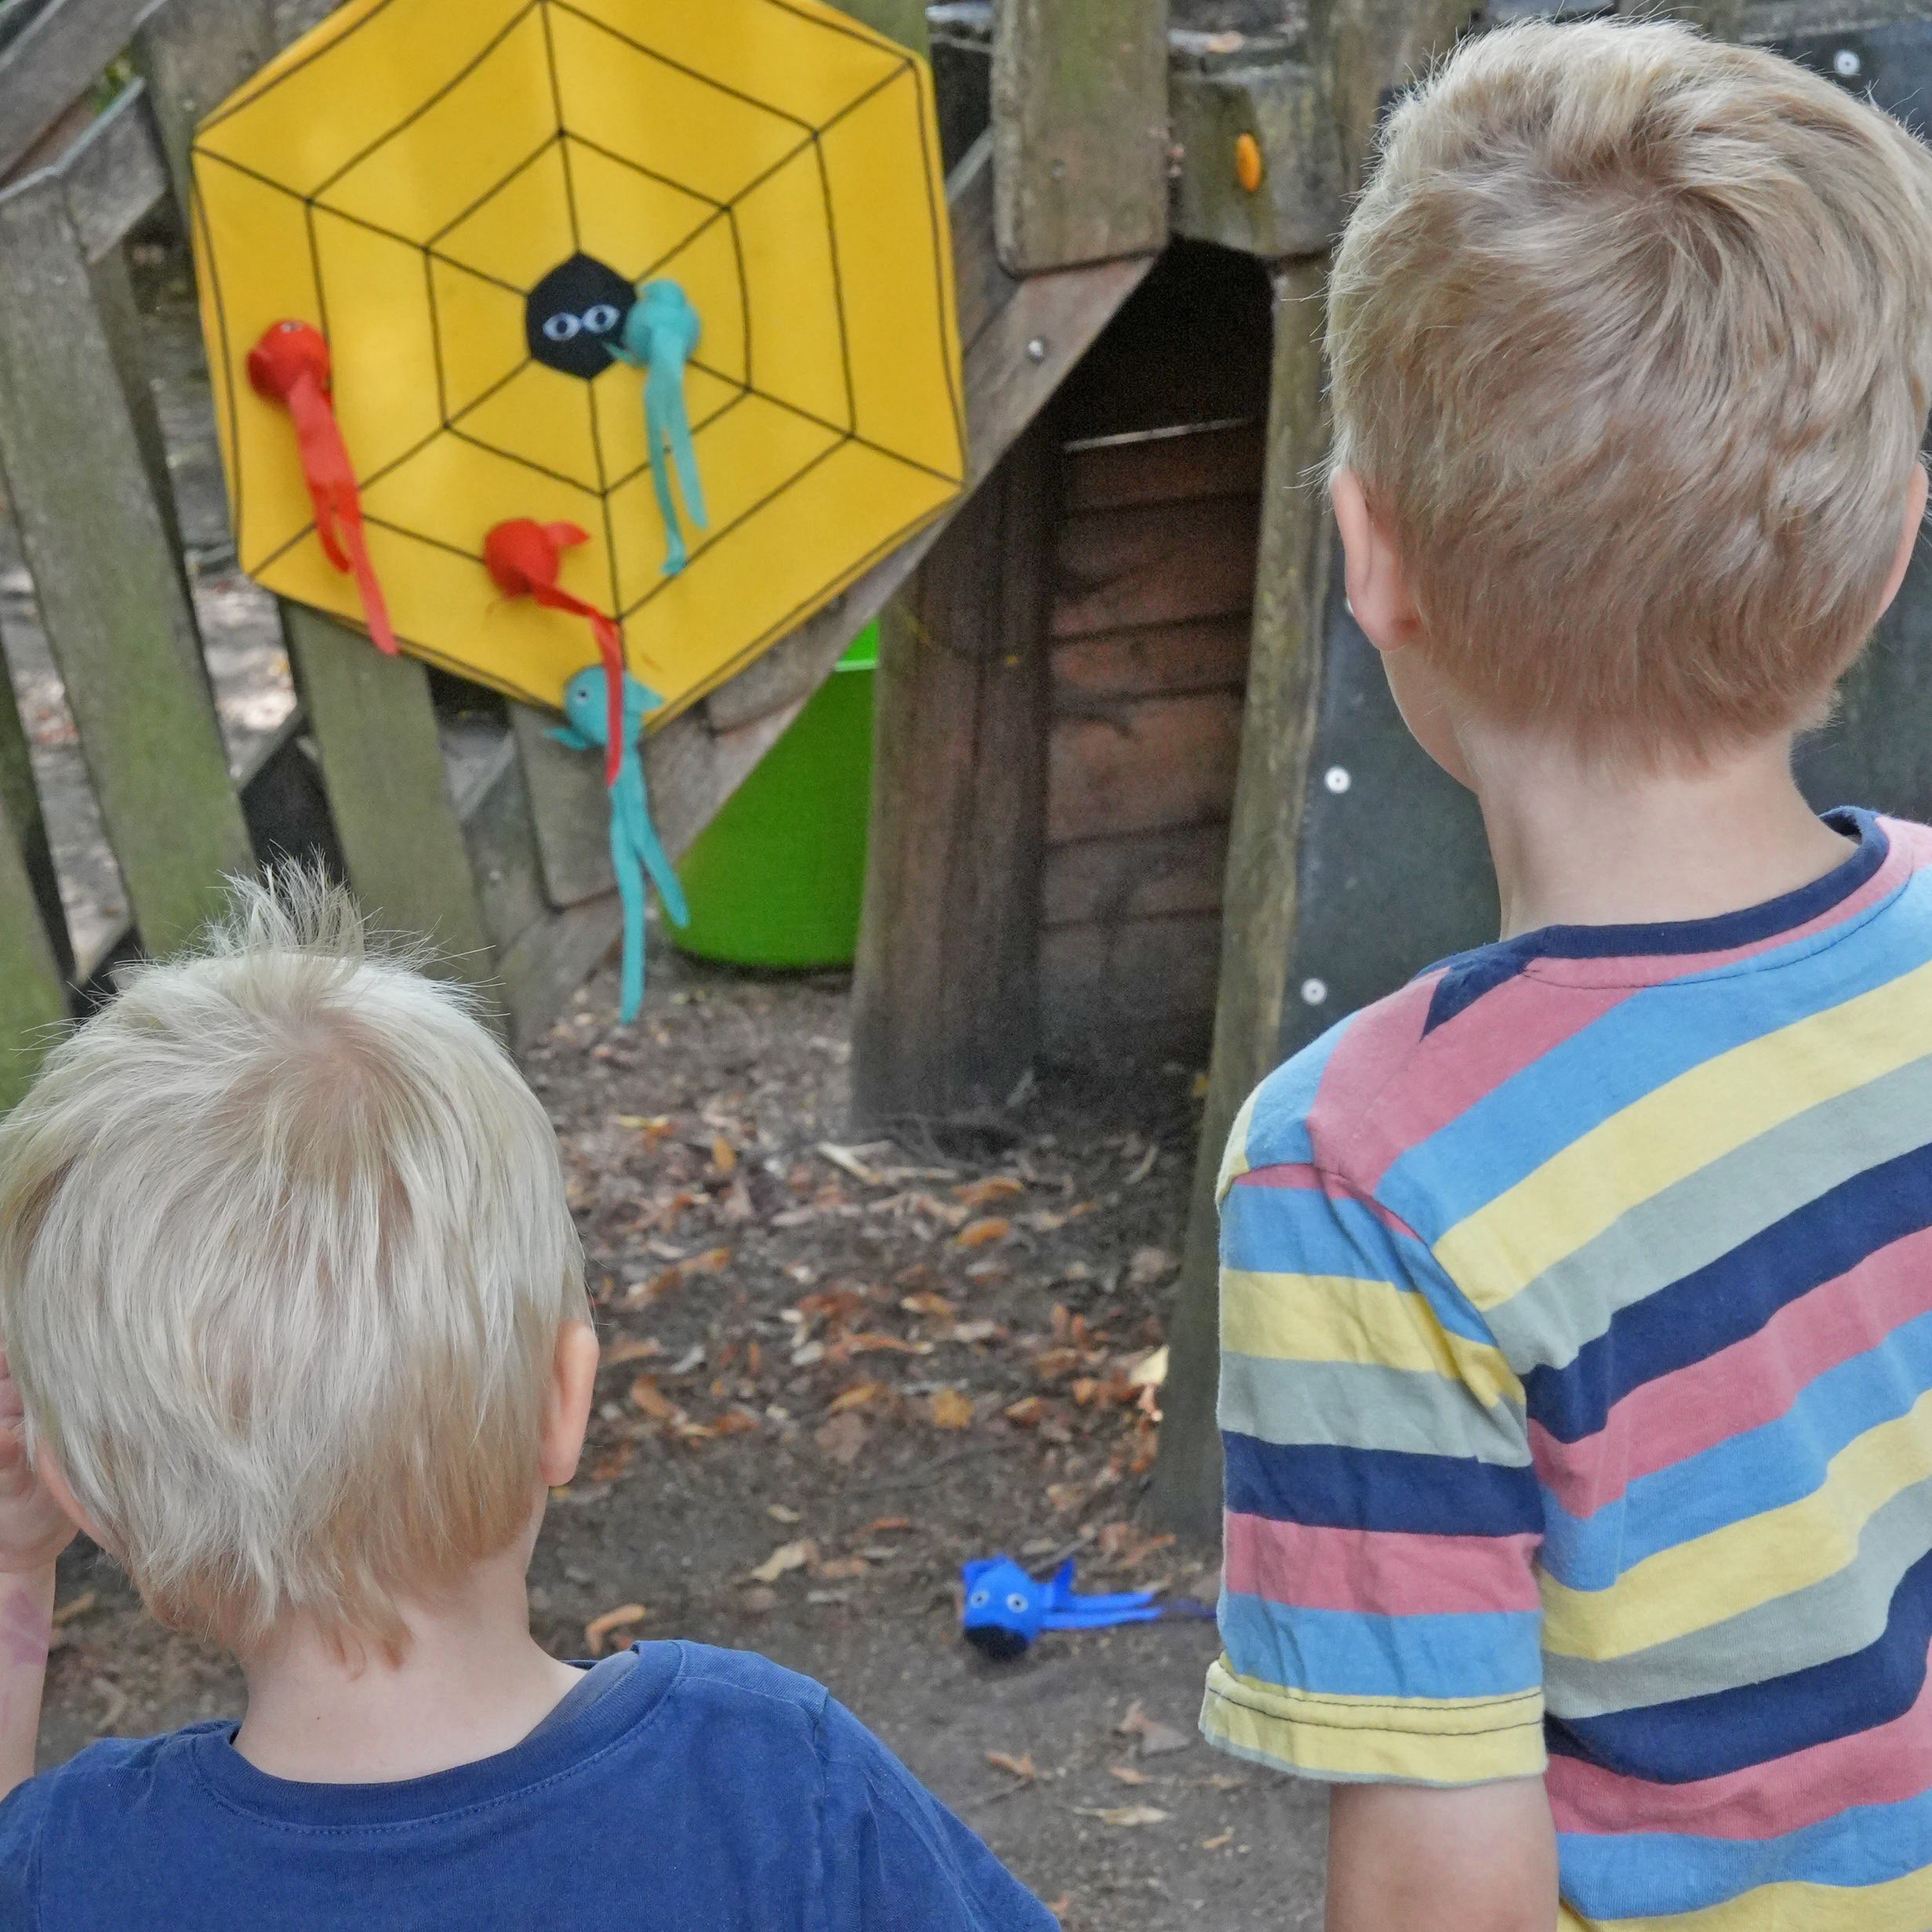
(851, 1368)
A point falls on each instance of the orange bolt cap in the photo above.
(1247, 169)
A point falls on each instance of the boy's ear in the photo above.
(1909, 537)
(567, 1403)
(1378, 591)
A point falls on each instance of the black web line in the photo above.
(714, 537)
(227, 351)
(268, 87)
(491, 193)
(482, 274)
(838, 291)
(421, 107)
(310, 202)
(859, 100)
(597, 441)
(436, 336)
(477, 402)
(677, 248)
(610, 555)
(744, 290)
(638, 167)
(879, 43)
(853, 436)
(664, 59)
(697, 430)
(527, 463)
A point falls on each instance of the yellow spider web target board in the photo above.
(424, 180)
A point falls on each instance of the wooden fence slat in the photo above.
(1259, 895)
(1080, 118)
(19, 808)
(53, 60)
(1153, 563)
(1151, 875)
(945, 1003)
(110, 586)
(33, 989)
(571, 810)
(194, 53)
(1147, 765)
(1150, 660)
(114, 173)
(402, 839)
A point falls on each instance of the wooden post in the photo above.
(110, 586)
(1079, 121)
(905, 20)
(389, 789)
(194, 53)
(944, 1001)
(1259, 903)
(33, 991)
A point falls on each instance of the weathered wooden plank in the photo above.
(1079, 127)
(56, 57)
(114, 173)
(1148, 764)
(944, 1001)
(20, 811)
(981, 286)
(1152, 875)
(905, 20)
(33, 990)
(121, 328)
(570, 808)
(1259, 896)
(1153, 563)
(109, 583)
(382, 762)
(1138, 990)
(1165, 466)
(1300, 202)
(194, 53)
(1157, 660)
(541, 971)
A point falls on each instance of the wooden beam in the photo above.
(53, 61)
(1259, 892)
(109, 583)
(904, 20)
(1299, 203)
(114, 173)
(1079, 119)
(33, 989)
(944, 996)
(194, 53)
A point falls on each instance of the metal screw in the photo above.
(1036, 349)
(1846, 63)
(1337, 779)
(1314, 992)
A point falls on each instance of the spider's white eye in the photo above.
(1015, 1602)
(979, 1600)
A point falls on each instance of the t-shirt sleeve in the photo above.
(21, 1813)
(896, 1857)
(1379, 1613)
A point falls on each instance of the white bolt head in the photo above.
(1336, 778)
(1314, 992)
(1846, 63)
(1036, 349)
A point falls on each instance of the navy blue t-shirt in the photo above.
(708, 1791)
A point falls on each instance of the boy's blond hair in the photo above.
(284, 1254)
(1631, 342)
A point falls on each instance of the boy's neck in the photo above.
(1579, 843)
(473, 1683)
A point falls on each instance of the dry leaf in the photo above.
(840, 1569)
(843, 1438)
(869, 1341)
(599, 1628)
(1025, 1413)
(724, 1156)
(926, 1302)
(1151, 1370)
(1021, 1767)
(1156, 1738)
(977, 1193)
(736, 1421)
(951, 1409)
(1148, 1266)
(1214, 1844)
(74, 1607)
(977, 1233)
(1125, 1814)
(844, 1159)
(646, 1394)
(974, 1330)
(780, 1513)
(786, 1558)
(855, 1397)
(1128, 1775)
(632, 1348)
(879, 1525)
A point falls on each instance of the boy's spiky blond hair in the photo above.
(284, 1254)
(1631, 343)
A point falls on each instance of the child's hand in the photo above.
(33, 1529)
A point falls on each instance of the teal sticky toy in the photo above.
(660, 335)
(634, 846)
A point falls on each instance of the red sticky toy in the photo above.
(290, 366)
(525, 558)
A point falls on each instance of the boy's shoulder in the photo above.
(1555, 1013)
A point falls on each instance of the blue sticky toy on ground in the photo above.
(660, 335)
(1006, 1609)
(634, 846)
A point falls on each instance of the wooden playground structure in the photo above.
(1118, 701)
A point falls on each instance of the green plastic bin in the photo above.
(776, 878)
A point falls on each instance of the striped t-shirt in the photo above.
(1576, 1394)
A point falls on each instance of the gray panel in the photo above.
(1394, 870)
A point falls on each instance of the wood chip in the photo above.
(1123, 1816)
(1128, 1774)
(1151, 1370)
(843, 1438)
(951, 1408)
(632, 1348)
(847, 1161)
(599, 1628)
(1214, 1844)
(994, 1187)
(1021, 1767)
(723, 1155)
(977, 1233)
(855, 1397)
(786, 1558)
